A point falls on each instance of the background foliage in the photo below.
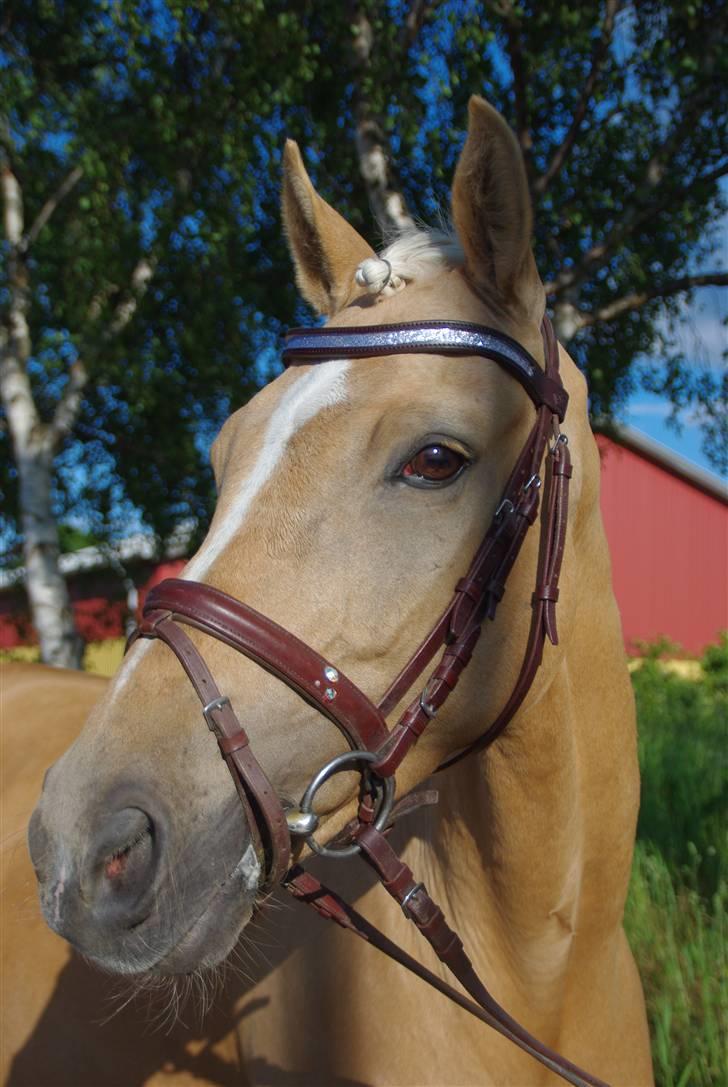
(676, 911)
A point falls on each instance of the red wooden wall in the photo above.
(669, 543)
(98, 601)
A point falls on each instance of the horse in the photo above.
(61, 1027)
(353, 491)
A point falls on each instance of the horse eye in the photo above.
(434, 464)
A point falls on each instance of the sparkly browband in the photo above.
(309, 345)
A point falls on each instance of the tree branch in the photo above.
(520, 80)
(643, 205)
(713, 175)
(637, 299)
(15, 342)
(419, 11)
(69, 406)
(126, 308)
(650, 211)
(50, 206)
(13, 214)
(387, 201)
(599, 54)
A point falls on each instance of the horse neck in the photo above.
(531, 841)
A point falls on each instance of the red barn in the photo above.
(667, 525)
(666, 521)
(106, 586)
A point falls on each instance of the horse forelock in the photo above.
(416, 255)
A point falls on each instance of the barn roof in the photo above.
(141, 547)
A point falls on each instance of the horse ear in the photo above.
(326, 250)
(491, 210)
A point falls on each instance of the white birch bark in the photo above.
(33, 444)
(566, 320)
(387, 201)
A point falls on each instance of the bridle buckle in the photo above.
(506, 506)
(405, 901)
(427, 708)
(209, 709)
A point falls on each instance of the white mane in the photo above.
(417, 254)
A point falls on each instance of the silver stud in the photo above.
(330, 693)
(331, 674)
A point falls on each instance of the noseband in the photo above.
(376, 750)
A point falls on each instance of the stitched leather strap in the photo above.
(398, 879)
(278, 651)
(260, 800)
(543, 603)
(304, 345)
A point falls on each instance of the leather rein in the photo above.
(376, 750)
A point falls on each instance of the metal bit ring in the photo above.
(384, 788)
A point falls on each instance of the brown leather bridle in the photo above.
(376, 750)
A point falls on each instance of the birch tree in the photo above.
(35, 441)
(130, 242)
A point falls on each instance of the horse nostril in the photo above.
(125, 863)
(130, 856)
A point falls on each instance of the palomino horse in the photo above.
(353, 495)
(59, 1026)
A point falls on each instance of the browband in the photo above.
(309, 345)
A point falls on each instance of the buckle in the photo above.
(558, 439)
(216, 704)
(506, 506)
(410, 894)
(427, 708)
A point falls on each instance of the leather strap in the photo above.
(331, 907)
(260, 800)
(281, 653)
(306, 345)
(543, 602)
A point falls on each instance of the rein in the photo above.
(377, 751)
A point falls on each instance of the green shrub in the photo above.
(678, 939)
(683, 749)
(676, 910)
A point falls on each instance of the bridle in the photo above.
(376, 750)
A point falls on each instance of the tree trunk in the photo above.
(565, 318)
(60, 643)
(34, 443)
(385, 197)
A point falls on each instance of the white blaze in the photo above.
(321, 387)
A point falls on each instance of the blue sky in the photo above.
(703, 335)
(649, 413)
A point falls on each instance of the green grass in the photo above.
(678, 938)
(676, 911)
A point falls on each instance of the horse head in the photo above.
(352, 495)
